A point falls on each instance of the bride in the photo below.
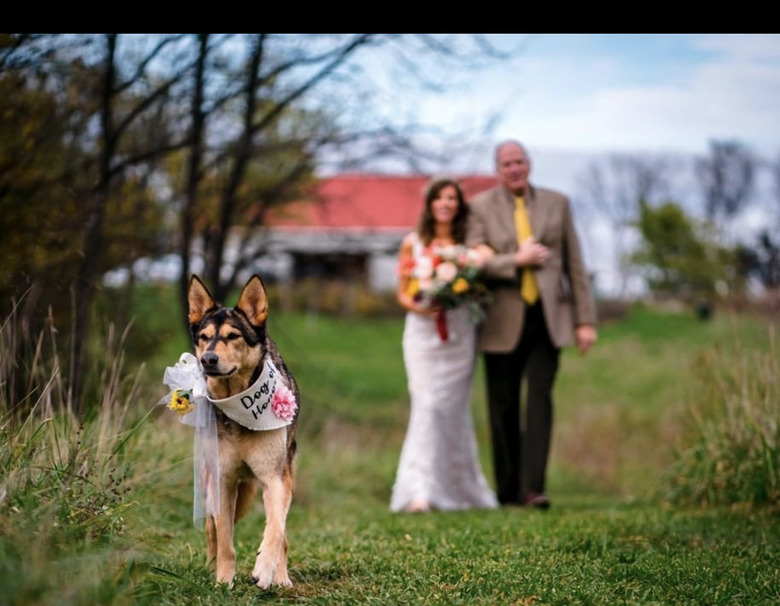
(438, 468)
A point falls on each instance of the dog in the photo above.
(236, 353)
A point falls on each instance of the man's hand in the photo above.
(531, 253)
(586, 336)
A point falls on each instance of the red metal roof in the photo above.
(367, 202)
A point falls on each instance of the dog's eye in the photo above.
(233, 336)
(203, 337)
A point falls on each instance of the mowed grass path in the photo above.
(608, 539)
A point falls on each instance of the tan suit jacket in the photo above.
(563, 282)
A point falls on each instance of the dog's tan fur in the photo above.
(232, 345)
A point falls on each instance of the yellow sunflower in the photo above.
(181, 401)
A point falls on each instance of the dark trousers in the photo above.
(521, 444)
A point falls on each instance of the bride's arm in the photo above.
(405, 292)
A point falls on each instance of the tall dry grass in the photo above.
(64, 486)
(730, 449)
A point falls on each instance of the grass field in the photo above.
(610, 538)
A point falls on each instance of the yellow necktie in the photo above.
(529, 289)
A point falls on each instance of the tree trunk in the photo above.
(84, 286)
(193, 172)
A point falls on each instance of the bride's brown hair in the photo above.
(425, 227)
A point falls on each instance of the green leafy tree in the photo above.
(762, 261)
(76, 144)
(35, 205)
(679, 256)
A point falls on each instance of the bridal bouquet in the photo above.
(445, 277)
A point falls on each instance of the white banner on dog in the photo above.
(264, 406)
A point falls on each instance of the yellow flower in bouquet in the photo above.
(460, 285)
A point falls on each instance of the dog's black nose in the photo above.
(209, 359)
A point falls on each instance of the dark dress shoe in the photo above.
(536, 499)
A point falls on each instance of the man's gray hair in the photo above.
(506, 142)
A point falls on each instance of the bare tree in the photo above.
(195, 160)
(775, 170)
(727, 178)
(118, 113)
(246, 119)
(615, 188)
(297, 100)
(761, 260)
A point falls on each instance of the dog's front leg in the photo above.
(271, 563)
(225, 520)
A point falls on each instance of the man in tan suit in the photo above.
(542, 301)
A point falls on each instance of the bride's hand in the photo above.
(429, 312)
(408, 302)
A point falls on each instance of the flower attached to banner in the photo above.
(188, 388)
(445, 277)
(283, 403)
(181, 401)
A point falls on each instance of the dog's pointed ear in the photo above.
(199, 299)
(253, 301)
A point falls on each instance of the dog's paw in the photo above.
(262, 580)
(265, 576)
(265, 581)
(269, 570)
(262, 574)
(225, 577)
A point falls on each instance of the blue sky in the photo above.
(575, 98)
(626, 92)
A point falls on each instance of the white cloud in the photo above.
(747, 46)
(723, 86)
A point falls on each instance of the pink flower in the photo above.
(446, 271)
(283, 403)
(424, 267)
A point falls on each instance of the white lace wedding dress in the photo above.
(439, 461)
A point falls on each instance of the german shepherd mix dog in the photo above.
(236, 353)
